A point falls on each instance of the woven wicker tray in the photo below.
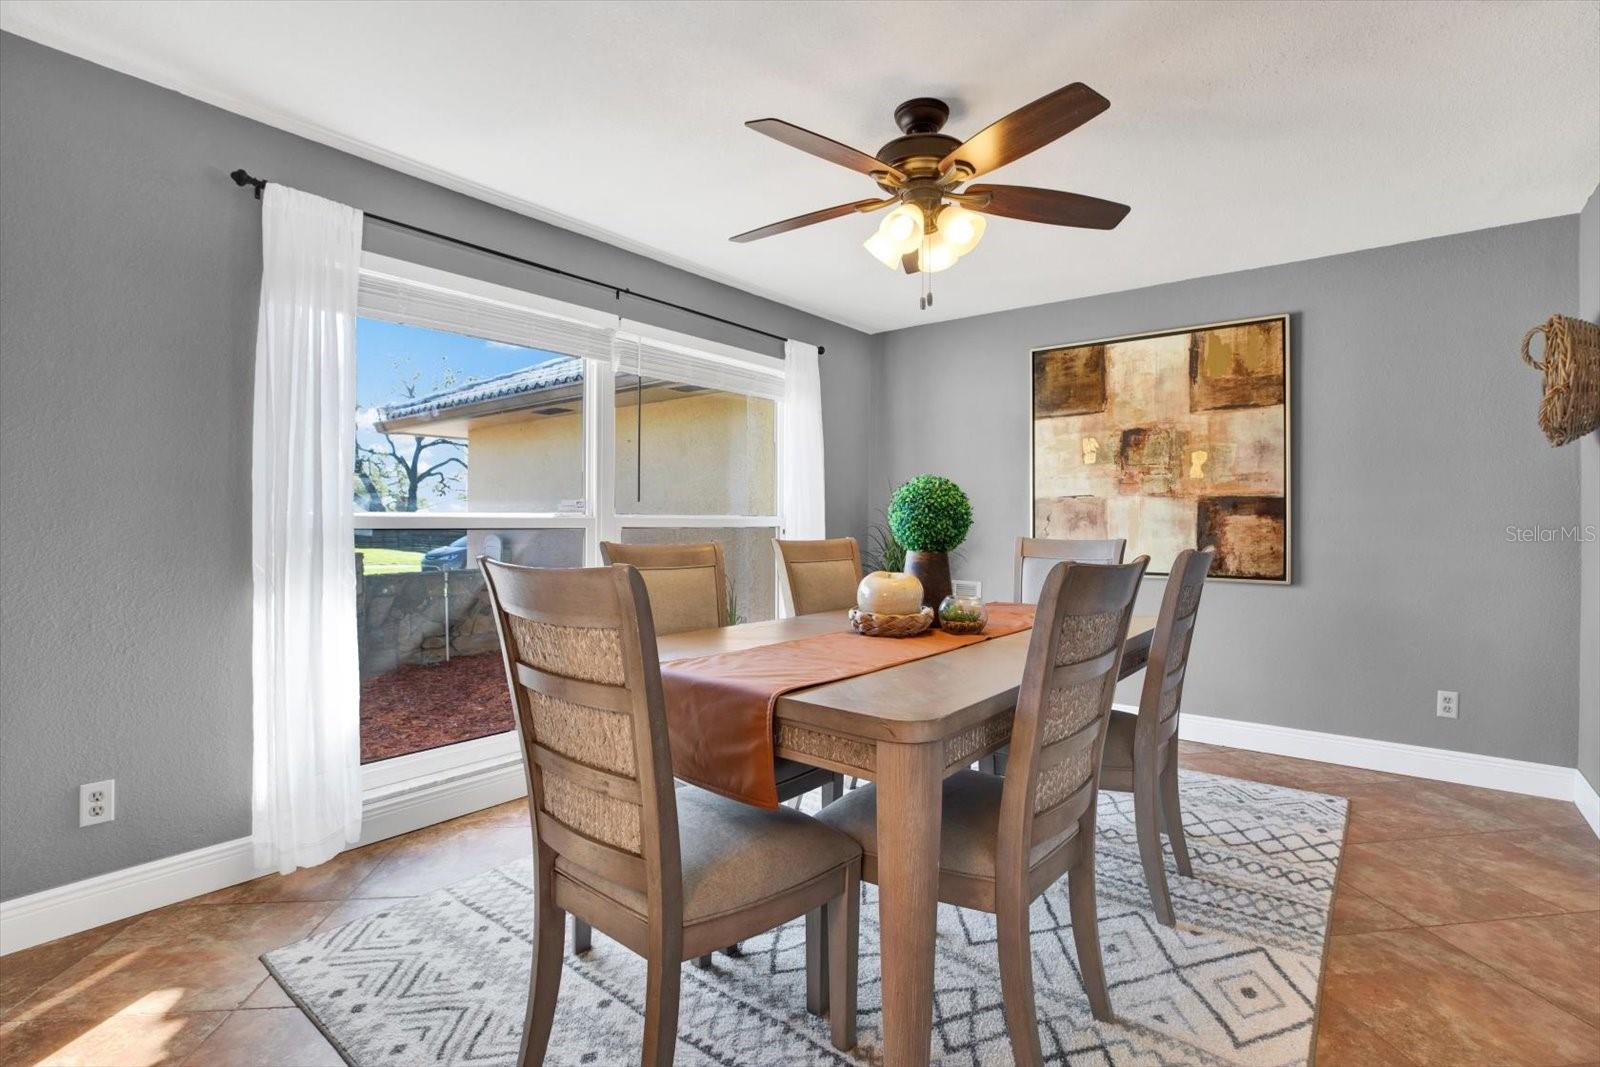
(874, 624)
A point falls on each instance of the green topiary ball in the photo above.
(930, 514)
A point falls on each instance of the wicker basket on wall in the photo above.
(1571, 367)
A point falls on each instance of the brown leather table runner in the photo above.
(719, 707)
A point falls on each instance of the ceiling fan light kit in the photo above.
(933, 221)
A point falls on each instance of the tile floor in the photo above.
(1466, 930)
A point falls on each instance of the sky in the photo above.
(388, 354)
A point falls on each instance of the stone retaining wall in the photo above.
(401, 618)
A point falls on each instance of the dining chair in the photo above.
(688, 589)
(820, 575)
(1142, 749)
(668, 872)
(1037, 555)
(1004, 841)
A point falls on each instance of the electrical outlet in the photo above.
(97, 802)
(967, 587)
(1449, 704)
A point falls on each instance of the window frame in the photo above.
(600, 519)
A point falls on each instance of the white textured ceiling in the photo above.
(1243, 134)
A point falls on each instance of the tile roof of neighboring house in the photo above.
(564, 371)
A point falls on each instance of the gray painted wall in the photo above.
(129, 282)
(1589, 494)
(1415, 446)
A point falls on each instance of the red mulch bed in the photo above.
(415, 707)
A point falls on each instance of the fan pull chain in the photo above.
(927, 281)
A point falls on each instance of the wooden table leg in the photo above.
(910, 790)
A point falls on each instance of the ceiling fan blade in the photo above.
(822, 147)
(1049, 205)
(908, 263)
(837, 211)
(1027, 128)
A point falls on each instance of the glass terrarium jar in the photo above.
(962, 614)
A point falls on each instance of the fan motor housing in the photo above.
(917, 153)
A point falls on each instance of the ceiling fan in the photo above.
(934, 221)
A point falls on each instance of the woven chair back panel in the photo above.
(1082, 637)
(596, 737)
(594, 814)
(1069, 708)
(684, 598)
(1065, 778)
(823, 585)
(587, 653)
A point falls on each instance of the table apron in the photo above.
(858, 756)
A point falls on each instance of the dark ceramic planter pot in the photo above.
(932, 569)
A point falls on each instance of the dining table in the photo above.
(905, 728)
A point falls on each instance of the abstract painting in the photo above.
(1172, 440)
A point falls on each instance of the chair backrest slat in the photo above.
(1064, 703)
(688, 584)
(575, 691)
(1169, 648)
(612, 785)
(609, 863)
(1036, 556)
(820, 575)
(581, 663)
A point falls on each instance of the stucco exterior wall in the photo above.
(531, 464)
(704, 454)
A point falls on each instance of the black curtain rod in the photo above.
(241, 178)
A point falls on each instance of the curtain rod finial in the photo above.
(242, 178)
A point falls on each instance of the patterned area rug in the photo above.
(442, 979)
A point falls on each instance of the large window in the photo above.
(448, 422)
(494, 423)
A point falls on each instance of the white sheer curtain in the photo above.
(801, 498)
(306, 790)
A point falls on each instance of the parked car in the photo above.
(451, 557)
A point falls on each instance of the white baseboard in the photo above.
(52, 913)
(386, 812)
(1439, 764)
(400, 808)
(1588, 801)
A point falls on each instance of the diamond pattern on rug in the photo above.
(443, 979)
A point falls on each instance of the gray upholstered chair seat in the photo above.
(1119, 739)
(734, 855)
(970, 831)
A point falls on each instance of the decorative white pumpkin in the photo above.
(889, 593)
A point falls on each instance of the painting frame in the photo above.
(1286, 322)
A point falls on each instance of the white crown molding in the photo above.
(355, 146)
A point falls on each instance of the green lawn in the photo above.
(389, 561)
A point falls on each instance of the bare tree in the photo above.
(406, 474)
(392, 477)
